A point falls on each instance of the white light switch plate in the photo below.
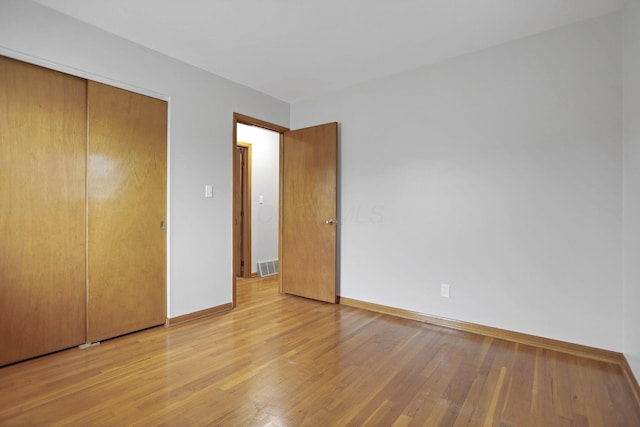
(444, 290)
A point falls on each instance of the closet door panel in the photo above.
(126, 178)
(42, 210)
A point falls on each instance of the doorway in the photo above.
(256, 192)
(306, 208)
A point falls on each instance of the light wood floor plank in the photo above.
(288, 361)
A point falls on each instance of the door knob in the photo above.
(330, 221)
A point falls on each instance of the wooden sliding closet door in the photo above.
(126, 174)
(42, 210)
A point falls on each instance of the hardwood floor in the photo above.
(287, 361)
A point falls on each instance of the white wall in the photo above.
(497, 172)
(201, 125)
(265, 174)
(631, 234)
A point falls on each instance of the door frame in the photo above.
(246, 214)
(251, 121)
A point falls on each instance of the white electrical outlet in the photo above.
(444, 290)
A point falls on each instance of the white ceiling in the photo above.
(296, 49)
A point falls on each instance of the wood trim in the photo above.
(280, 205)
(518, 337)
(631, 378)
(248, 216)
(234, 168)
(241, 118)
(197, 315)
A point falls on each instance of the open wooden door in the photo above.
(309, 208)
